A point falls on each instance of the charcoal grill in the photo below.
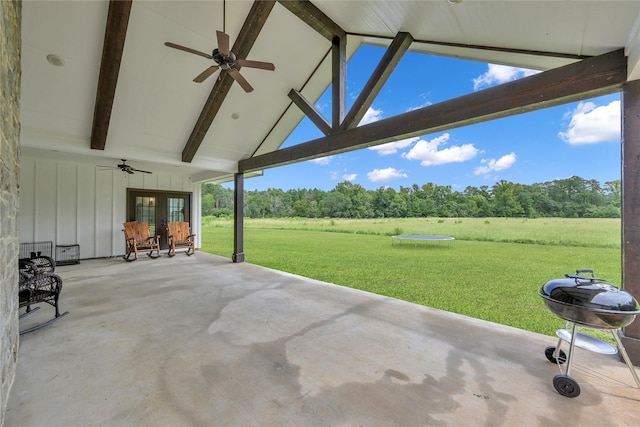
(581, 299)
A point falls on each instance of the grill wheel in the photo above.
(549, 353)
(566, 386)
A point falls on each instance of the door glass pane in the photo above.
(146, 211)
(176, 209)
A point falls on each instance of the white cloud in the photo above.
(493, 165)
(429, 155)
(349, 177)
(393, 147)
(383, 175)
(497, 74)
(322, 160)
(321, 107)
(372, 115)
(591, 124)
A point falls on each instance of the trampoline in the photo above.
(416, 238)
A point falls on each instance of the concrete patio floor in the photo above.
(200, 341)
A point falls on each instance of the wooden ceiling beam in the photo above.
(546, 53)
(315, 18)
(251, 28)
(325, 26)
(309, 110)
(112, 48)
(591, 77)
(378, 78)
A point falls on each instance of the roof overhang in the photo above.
(155, 107)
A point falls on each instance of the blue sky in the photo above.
(580, 138)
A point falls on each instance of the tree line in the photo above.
(573, 197)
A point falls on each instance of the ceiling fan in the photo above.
(225, 60)
(124, 167)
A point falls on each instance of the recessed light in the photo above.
(56, 60)
(235, 116)
(454, 1)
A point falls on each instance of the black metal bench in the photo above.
(38, 283)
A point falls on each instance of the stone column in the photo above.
(10, 75)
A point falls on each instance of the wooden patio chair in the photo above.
(137, 238)
(180, 236)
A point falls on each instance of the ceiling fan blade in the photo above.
(188, 49)
(223, 43)
(129, 171)
(256, 64)
(205, 74)
(241, 80)
(138, 170)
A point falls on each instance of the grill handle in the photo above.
(582, 279)
(585, 270)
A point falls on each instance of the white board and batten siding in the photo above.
(70, 203)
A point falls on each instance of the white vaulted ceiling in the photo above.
(156, 103)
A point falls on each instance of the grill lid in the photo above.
(590, 294)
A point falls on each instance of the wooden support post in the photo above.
(339, 81)
(238, 218)
(631, 208)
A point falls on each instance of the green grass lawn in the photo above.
(589, 232)
(491, 280)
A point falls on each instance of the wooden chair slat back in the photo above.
(139, 230)
(179, 230)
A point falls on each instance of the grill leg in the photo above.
(625, 356)
(571, 347)
(556, 353)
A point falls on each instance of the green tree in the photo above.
(257, 204)
(216, 200)
(207, 205)
(571, 197)
(505, 202)
(305, 208)
(360, 200)
(335, 205)
(386, 203)
(613, 192)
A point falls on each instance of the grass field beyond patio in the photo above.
(484, 276)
